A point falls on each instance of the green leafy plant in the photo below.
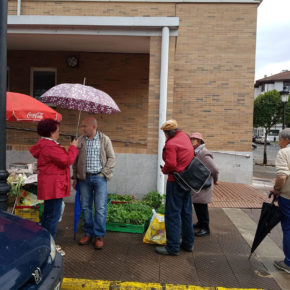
(119, 197)
(131, 213)
(153, 199)
(161, 209)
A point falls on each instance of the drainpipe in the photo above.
(4, 187)
(18, 7)
(162, 104)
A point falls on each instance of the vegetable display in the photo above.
(131, 213)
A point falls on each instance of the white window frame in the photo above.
(34, 69)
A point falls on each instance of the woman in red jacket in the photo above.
(53, 164)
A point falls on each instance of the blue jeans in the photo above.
(93, 190)
(178, 213)
(284, 205)
(51, 215)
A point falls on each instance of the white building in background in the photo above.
(275, 82)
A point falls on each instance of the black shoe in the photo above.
(163, 251)
(186, 249)
(196, 225)
(202, 233)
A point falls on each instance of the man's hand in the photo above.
(74, 183)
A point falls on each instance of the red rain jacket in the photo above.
(177, 154)
(53, 165)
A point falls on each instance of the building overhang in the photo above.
(86, 33)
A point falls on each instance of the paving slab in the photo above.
(237, 195)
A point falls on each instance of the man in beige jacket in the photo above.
(282, 190)
(92, 168)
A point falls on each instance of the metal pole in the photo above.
(283, 125)
(162, 104)
(4, 187)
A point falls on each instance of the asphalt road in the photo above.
(265, 171)
(272, 150)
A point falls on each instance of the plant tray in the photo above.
(125, 228)
(32, 213)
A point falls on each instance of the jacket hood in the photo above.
(36, 149)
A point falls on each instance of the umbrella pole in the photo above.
(77, 132)
(250, 256)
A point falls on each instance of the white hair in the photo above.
(285, 134)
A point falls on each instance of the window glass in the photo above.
(42, 81)
(263, 88)
(287, 86)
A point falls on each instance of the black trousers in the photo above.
(201, 210)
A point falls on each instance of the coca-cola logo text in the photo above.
(37, 115)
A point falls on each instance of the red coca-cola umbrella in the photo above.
(24, 108)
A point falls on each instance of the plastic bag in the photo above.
(155, 233)
(26, 198)
(62, 210)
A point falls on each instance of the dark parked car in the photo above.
(28, 257)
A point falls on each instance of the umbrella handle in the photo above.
(274, 197)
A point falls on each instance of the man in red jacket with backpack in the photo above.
(177, 154)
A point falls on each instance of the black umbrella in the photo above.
(269, 218)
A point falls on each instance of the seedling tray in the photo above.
(125, 228)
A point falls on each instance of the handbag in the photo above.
(196, 176)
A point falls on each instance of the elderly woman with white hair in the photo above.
(282, 191)
(201, 199)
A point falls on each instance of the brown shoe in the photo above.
(99, 243)
(85, 240)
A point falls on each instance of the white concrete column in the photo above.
(18, 7)
(162, 104)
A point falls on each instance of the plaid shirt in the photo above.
(94, 164)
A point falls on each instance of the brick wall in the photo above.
(122, 76)
(214, 73)
(211, 72)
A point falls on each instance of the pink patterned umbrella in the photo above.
(80, 97)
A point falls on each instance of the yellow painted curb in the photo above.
(76, 284)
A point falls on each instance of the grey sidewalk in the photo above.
(220, 259)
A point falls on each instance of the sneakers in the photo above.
(186, 249)
(163, 251)
(282, 266)
(202, 233)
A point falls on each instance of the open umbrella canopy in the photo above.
(20, 107)
(80, 97)
(269, 218)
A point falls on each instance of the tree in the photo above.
(267, 113)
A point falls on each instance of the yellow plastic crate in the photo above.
(28, 212)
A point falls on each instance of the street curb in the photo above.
(75, 284)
